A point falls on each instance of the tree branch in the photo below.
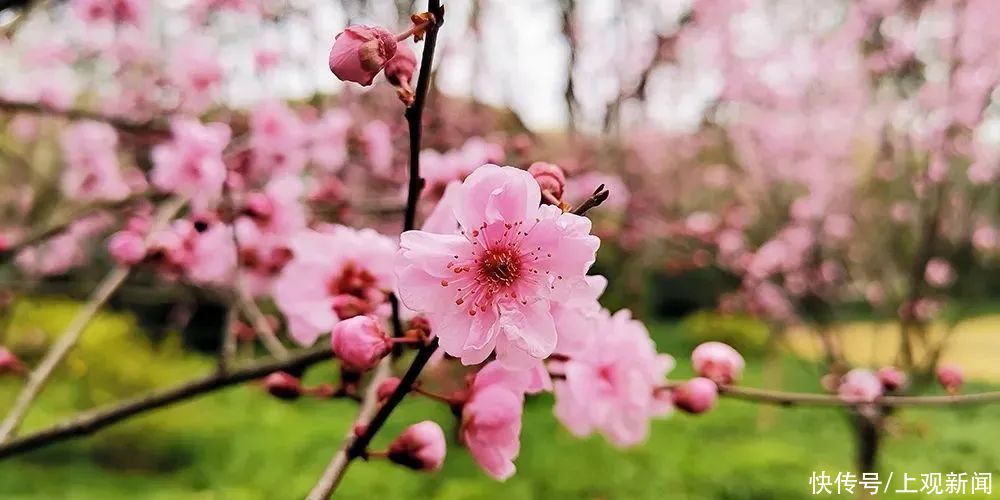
(97, 419)
(782, 398)
(72, 334)
(155, 128)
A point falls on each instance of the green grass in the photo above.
(242, 444)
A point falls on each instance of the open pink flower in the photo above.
(191, 163)
(860, 386)
(92, 171)
(610, 387)
(195, 70)
(360, 52)
(278, 139)
(332, 276)
(328, 140)
(491, 419)
(116, 11)
(489, 288)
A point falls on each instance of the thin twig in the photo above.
(783, 398)
(99, 418)
(600, 196)
(259, 322)
(334, 472)
(155, 128)
(355, 447)
(71, 335)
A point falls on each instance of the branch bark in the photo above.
(72, 334)
(97, 419)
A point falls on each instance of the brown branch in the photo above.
(354, 447)
(783, 398)
(72, 334)
(99, 418)
(124, 125)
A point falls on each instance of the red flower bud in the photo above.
(420, 447)
(386, 388)
(951, 377)
(697, 395)
(549, 177)
(892, 378)
(360, 342)
(9, 363)
(283, 386)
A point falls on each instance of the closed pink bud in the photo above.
(127, 248)
(360, 52)
(549, 177)
(420, 447)
(892, 378)
(283, 386)
(697, 395)
(860, 386)
(399, 72)
(718, 362)
(950, 376)
(258, 206)
(360, 342)
(9, 363)
(360, 429)
(386, 388)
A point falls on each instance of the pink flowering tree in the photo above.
(330, 233)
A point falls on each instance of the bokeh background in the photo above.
(812, 181)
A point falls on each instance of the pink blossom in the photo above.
(985, 237)
(359, 343)
(195, 70)
(386, 388)
(440, 169)
(420, 447)
(939, 273)
(951, 377)
(116, 11)
(610, 386)
(376, 138)
(127, 248)
(213, 255)
(491, 421)
(278, 210)
(328, 140)
(332, 276)
(579, 317)
(697, 395)
(718, 362)
(278, 139)
(92, 171)
(489, 288)
(265, 58)
(360, 52)
(191, 162)
(860, 386)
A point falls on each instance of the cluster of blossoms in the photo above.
(865, 386)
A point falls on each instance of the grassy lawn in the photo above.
(241, 444)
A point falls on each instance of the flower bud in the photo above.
(399, 72)
(258, 206)
(950, 376)
(860, 386)
(386, 388)
(549, 177)
(420, 447)
(360, 52)
(127, 248)
(892, 378)
(697, 395)
(9, 363)
(360, 342)
(718, 362)
(283, 386)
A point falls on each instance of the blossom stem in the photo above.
(416, 28)
(435, 396)
(356, 446)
